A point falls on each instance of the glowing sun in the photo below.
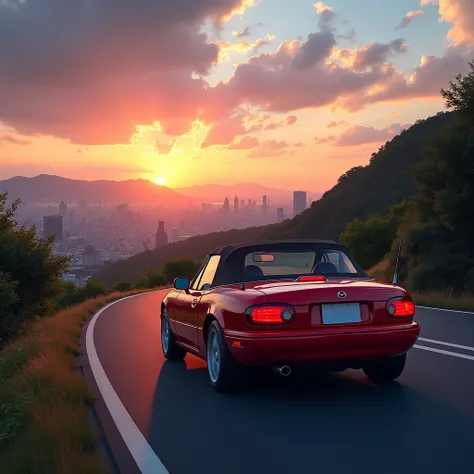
(160, 181)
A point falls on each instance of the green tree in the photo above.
(180, 267)
(9, 304)
(30, 263)
(123, 286)
(155, 278)
(370, 240)
(438, 250)
(460, 94)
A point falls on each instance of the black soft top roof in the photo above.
(226, 250)
(230, 268)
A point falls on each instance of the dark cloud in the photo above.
(317, 47)
(377, 53)
(92, 70)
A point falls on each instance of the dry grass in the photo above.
(444, 299)
(44, 423)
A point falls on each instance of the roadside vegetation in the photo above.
(44, 421)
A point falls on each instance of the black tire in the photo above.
(170, 350)
(387, 370)
(230, 377)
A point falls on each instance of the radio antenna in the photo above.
(395, 276)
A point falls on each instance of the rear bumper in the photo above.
(322, 345)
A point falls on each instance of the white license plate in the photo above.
(340, 313)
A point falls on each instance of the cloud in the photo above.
(224, 132)
(243, 46)
(408, 18)
(426, 80)
(316, 48)
(350, 35)
(246, 143)
(12, 140)
(269, 149)
(92, 71)
(460, 13)
(291, 120)
(334, 124)
(242, 34)
(161, 148)
(359, 135)
(325, 13)
(377, 53)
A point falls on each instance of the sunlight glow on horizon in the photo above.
(160, 181)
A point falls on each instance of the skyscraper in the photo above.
(265, 203)
(53, 225)
(226, 205)
(161, 237)
(63, 209)
(280, 214)
(299, 202)
(236, 204)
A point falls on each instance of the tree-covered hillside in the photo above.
(359, 193)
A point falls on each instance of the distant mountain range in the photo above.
(47, 189)
(246, 191)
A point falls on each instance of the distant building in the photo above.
(242, 204)
(174, 235)
(280, 214)
(299, 202)
(236, 204)
(226, 205)
(161, 237)
(53, 225)
(91, 257)
(265, 203)
(63, 209)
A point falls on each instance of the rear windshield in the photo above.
(327, 262)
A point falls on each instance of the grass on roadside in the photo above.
(444, 300)
(44, 423)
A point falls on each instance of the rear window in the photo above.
(328, 262)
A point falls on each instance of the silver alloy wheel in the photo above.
(165, 333)
(213, 356)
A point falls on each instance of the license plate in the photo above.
(340, 313)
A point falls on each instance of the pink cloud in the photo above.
(270, 149)
(224, 132)
(359, 135)
(246, 143)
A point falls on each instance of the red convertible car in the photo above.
(283, 303)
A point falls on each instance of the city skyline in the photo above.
(204, 109)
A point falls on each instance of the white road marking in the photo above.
(143, 454)
(441, 351)
(443, 309)
(450, 344)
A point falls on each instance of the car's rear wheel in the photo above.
(224, 372)
(387, 370)
(168, 344)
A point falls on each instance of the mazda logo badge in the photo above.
(341, 294)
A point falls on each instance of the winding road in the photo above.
(163, 417)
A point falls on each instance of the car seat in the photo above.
(253, 272)
(325, 267)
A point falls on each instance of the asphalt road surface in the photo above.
(172, 420)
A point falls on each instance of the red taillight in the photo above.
(270, 314)
(312, 278)
(400, 307)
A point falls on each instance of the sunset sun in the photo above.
(160, 181)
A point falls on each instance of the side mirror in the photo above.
(181, 283)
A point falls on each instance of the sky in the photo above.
(285, 93)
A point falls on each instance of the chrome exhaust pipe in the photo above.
(283, 370)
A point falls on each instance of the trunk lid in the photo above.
(308, 293)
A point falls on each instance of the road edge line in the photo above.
(444, 309)
(441, 351)
(141, 451)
